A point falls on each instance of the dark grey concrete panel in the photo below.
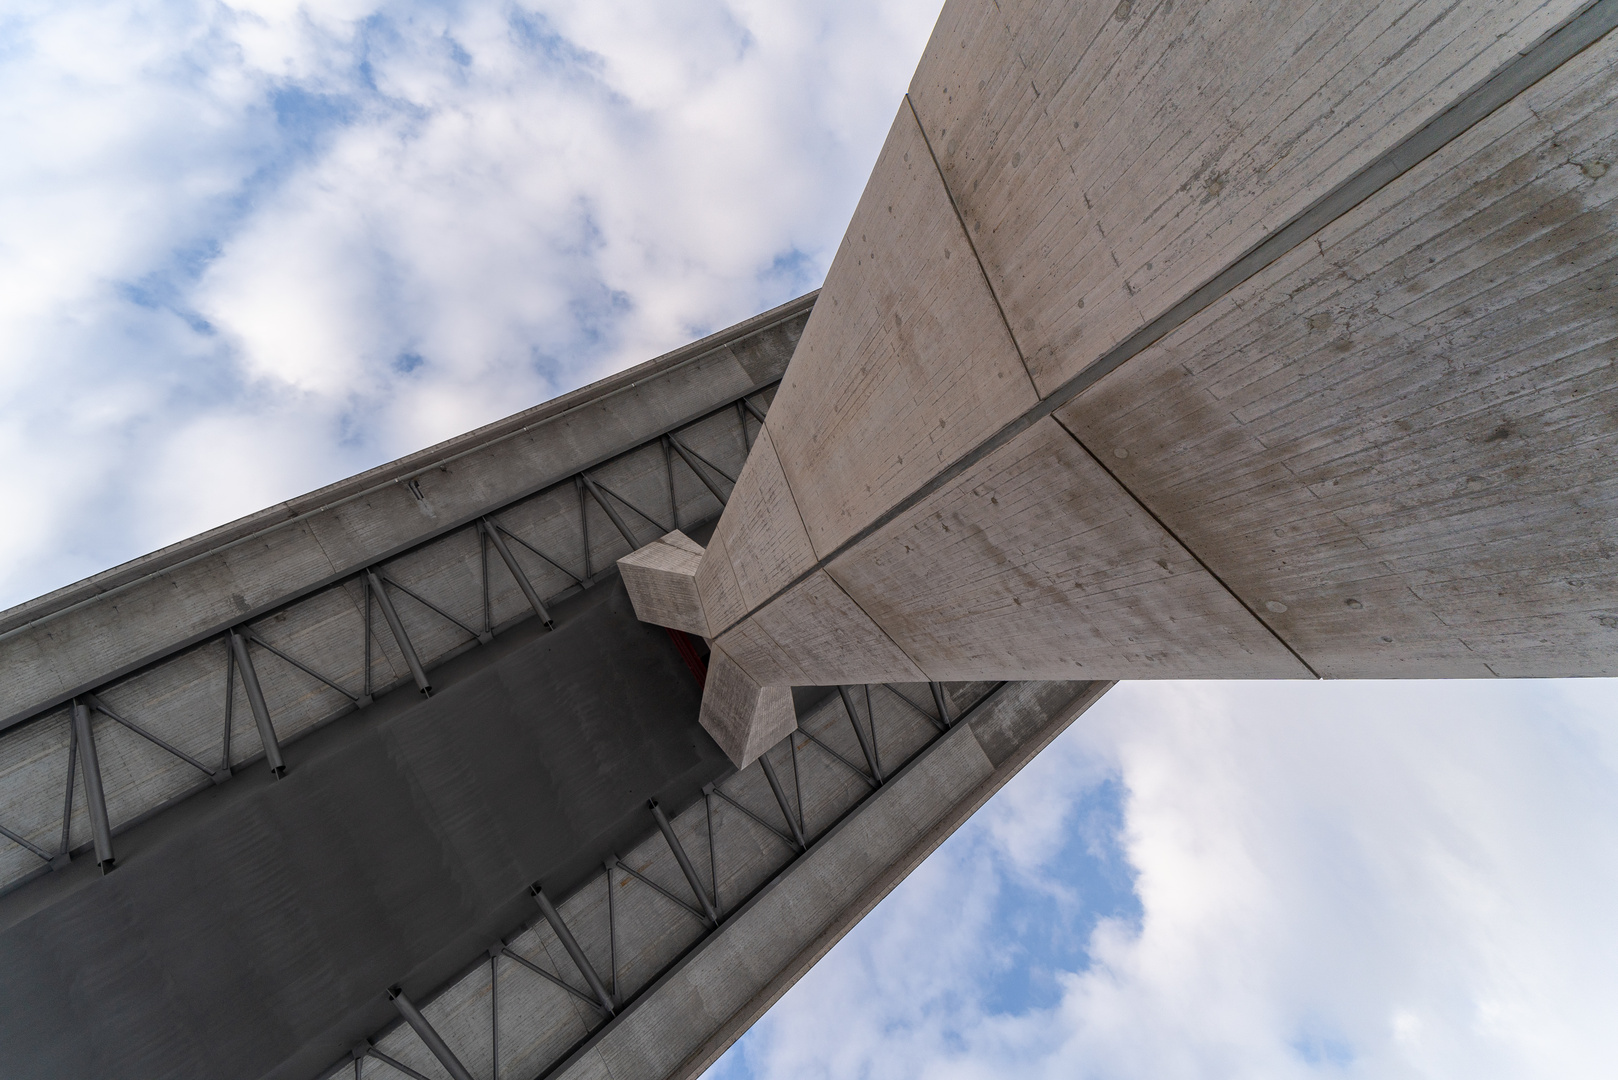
(252, 931)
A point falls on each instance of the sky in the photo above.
(249, 249)
(1256, 880)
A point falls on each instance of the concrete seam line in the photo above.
(941, 830)
(1200, 561)
(960, 219)
(1560, 45)
(880, 628)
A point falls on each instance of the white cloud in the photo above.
(1371, 879)
(252, 248)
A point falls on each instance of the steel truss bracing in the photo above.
(325, 653)
(533, 999)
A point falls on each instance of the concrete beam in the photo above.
(1036, 564)
(1109, 158)
(743, 717)
(81, 636)
(1392, 444)
(907, 364)
(758, 552)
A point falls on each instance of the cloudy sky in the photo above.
(248, 249)
(1372, 880)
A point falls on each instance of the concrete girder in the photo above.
(321, 654)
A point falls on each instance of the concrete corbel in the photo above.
(662, 582)
(744, 718)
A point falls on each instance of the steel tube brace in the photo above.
(611, 512)
(565, 935)
(860, 733)
(493, 533)
(686, 868)
(255, 700)
(90, 765)
(427, 1034)
(385, 602)
(781, 799)
(685, 455)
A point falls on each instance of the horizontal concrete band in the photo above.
(681, 1024)
(357, 486)
(61, 646)
(1533, 64)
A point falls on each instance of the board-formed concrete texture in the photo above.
(1109, 159)
(910, 364)
(1396, 441)
(771, 546)
(1212, 340)
(744, 718)
(662, 582)
(1281, 345)
(1085, 579)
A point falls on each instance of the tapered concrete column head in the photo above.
(744, 718)
(662, 582)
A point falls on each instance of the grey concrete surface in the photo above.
(1403, 480)
(450, 592)
(252, 931)
(661, 579)
(1108, 159)
(75, 638)
(1394, 443)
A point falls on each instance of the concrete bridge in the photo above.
(1168, 340)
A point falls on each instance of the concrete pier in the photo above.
(1218, 340)
(1207, 341)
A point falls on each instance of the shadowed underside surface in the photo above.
(252, 932)
(1153, 350)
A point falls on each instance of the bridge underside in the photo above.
(251, 930)
(1216, 340)
(228, 923)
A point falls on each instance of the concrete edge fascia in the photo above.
(873, 894)
(359, 485)
(940, 831)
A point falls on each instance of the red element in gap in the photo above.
(688, 653)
